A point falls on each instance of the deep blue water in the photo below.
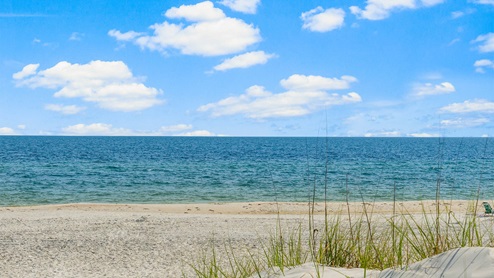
(45, 170)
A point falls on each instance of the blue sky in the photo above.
(247, 68)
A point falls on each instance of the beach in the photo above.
(155, 240)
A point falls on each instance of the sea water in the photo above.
(51, 170)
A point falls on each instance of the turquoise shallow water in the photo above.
(48, 170)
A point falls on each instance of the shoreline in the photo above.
(283, 208)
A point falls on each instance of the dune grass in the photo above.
(360, 240)
(363, 240)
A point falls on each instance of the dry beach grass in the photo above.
(106, 240)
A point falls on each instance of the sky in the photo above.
(375, 68)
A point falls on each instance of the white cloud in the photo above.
(457, 14)
(487, 2)
(429, 3)
(75, 36)
(381, 9)
(481, 65)
(197, 133)
(320, 20)
(298, 82)
(454, 41)
(65, 109)
(181, 129)
(424, 135)
(204, 11)
(383, 134)
(243, 6)
(21, 126)
(6, 131)
(462, 123)
(244, 60)
(102, 129)
(96, 129)
(127, 36)
(109, 84)
(52, 45)
(476, 105)
(211, 32)
(305, 95)
(429, 89)
(175, 128)
(26, 71)
(486, 42)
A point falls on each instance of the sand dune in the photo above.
(461, 262)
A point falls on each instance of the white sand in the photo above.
(473, 262)
(94, 240)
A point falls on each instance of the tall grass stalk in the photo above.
(363, 240)
(365, 243)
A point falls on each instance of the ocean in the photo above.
(38, 170)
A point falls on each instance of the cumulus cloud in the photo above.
(481, 65)
(6, 131)
(424, 135)
(462, 123)
(210, 32)
(175, 128)
(245, 60)
(429, 89)
(304, 95)
(184, 130)
(102, 129)
(26, 71)
(383, 134)
(197, 133)
(127, 36)
(96, 129)
(381, 9)
(204, 11)
(65, 109)
(321, 20)
(486, 42)
(299, 82)
(476, 105)
(109, 84)
(243, 6)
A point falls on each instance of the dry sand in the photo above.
(108, 240)
(472, 262)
